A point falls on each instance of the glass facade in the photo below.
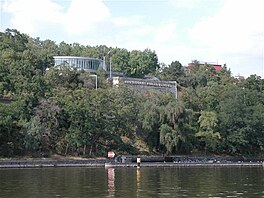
(82, 63)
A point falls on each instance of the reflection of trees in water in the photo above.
(111, 182)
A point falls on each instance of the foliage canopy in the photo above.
(59, 111)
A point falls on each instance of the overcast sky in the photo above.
(225, 31)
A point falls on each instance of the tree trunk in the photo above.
(66, 150)
(91, 150)
(84, 150)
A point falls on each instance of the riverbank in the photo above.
(129, 161)
(50, 163)
(173, 164)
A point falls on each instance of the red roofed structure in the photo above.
(216, 66)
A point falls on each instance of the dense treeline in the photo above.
(60, 111)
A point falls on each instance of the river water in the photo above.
(133, 182)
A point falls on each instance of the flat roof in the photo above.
(77, 57)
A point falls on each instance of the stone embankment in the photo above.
(185, 161)
(130, 161)
(38, 163)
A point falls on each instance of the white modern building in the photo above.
(82, 63)
(140, 85)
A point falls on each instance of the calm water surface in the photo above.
(132, 182)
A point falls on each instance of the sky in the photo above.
(227, 32)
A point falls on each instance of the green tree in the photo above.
(174, 130)
(233, 113)
(42, 132)
(142, 63)
(206, 134)
(175, 71)
(10, 129)
(149, 123)
(120, 60)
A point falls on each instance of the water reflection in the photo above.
(111, 182)
(132, 182)
(138, 182)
